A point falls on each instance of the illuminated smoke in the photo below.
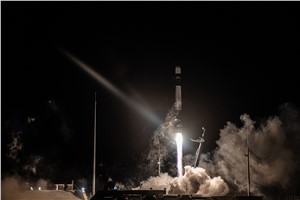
(179, 153)
(163, 143)
(194, 181)
(188, 159)
(15, 146)
(271, 159)
(197, 181)
(156, 182)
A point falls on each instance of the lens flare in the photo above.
(179, 153)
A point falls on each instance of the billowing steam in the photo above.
(194, 181)
(271, 158)
(197, 181)
(156, 182)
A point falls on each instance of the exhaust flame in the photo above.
(179, 154)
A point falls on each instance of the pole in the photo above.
(248, 172)
(248, 164)
(94, 163)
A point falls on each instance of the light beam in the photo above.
(108, 85)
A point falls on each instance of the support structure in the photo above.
(200, 140)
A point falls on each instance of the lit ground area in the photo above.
(47, 195)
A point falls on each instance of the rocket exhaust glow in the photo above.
(178, 108)
(179, 153)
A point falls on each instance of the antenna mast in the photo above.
(248, 164)
(94, 163)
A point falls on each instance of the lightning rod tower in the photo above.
(94, 161)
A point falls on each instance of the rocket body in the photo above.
(178, 126)
(178, 101)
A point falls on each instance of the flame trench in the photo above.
(179, 154)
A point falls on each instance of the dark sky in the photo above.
(236, 57)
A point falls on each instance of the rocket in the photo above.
(178, 102)
(177, 124)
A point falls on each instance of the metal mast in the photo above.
(200, 140)
(248, 164)
(94, 163)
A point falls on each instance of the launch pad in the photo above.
(160, 195)
(129, 194)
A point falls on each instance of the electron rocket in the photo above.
(178, 102)
(178, 125)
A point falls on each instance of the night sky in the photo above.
(236, 58)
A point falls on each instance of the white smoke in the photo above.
(163, 142)
(271, 159)
(194, 181)
(197, 181)
(156, 182)
(188, 159)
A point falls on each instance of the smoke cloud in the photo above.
(273, 148)
(156, 182)
(194, 181)
(197, 181)
(163, 144)
(271, 158)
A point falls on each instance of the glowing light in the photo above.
(31, 188)
(39, 188)
(83, 189)
(179, 153)
(108, 85)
